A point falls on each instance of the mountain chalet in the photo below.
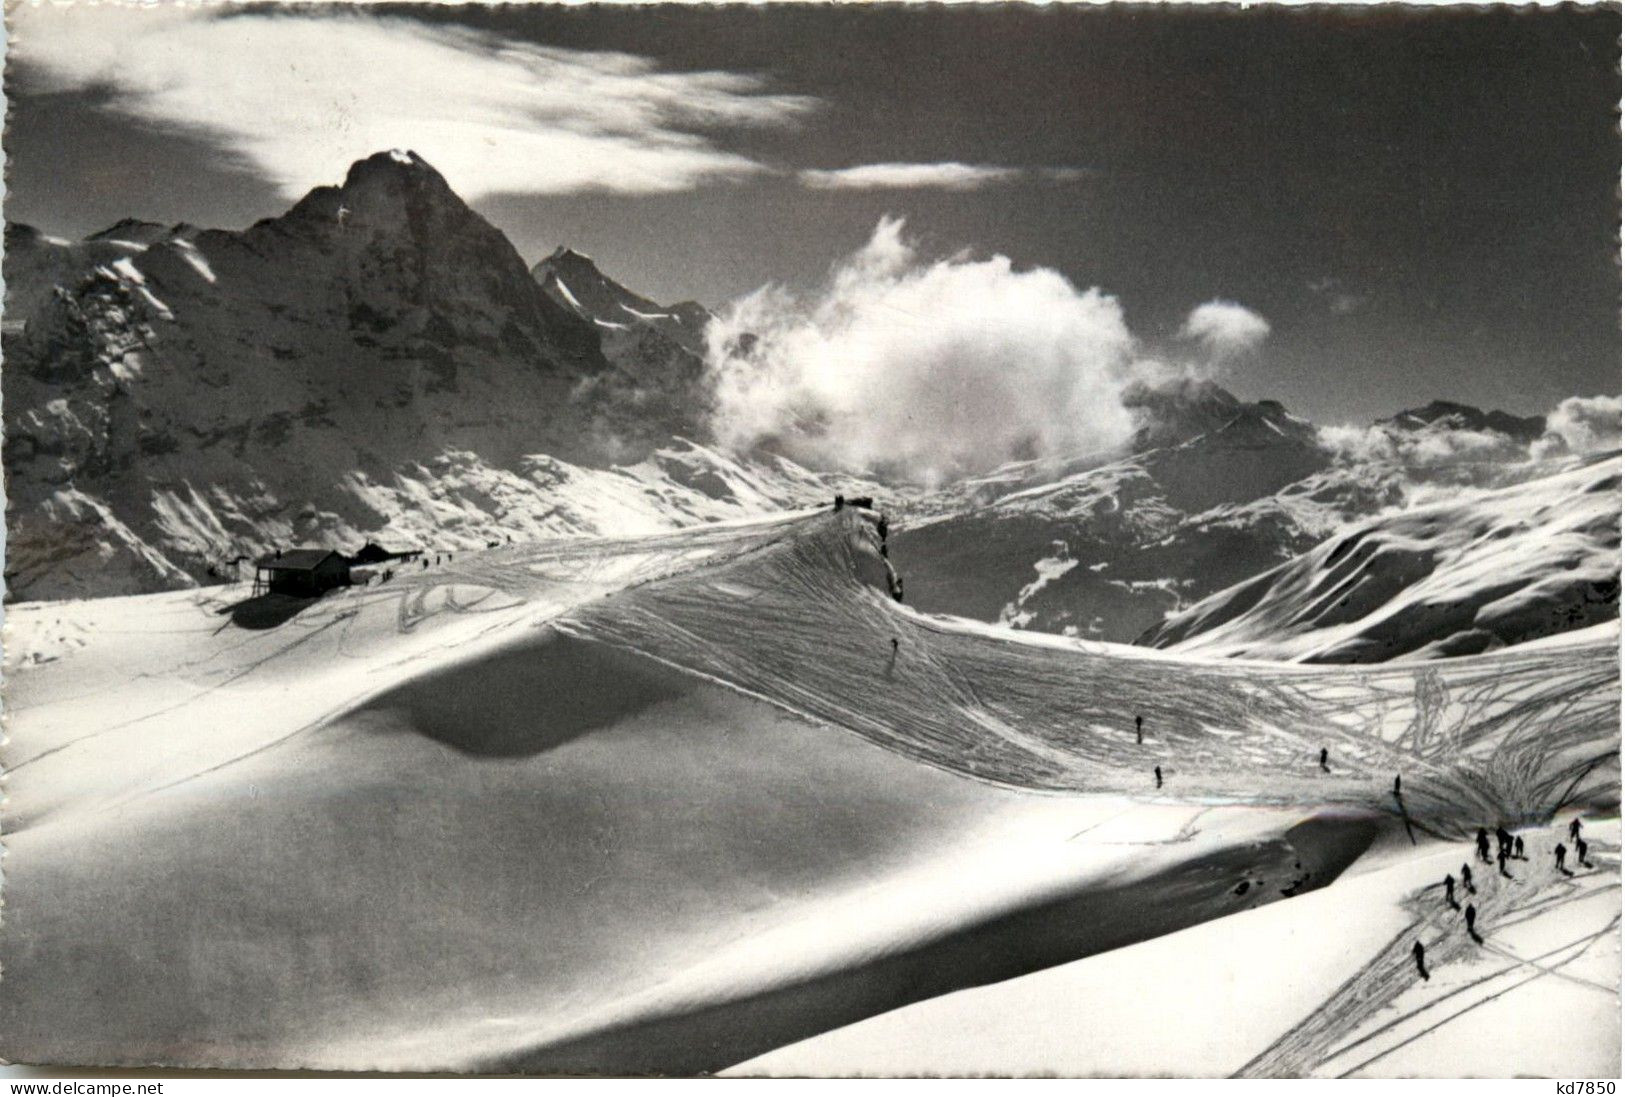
(302, 573)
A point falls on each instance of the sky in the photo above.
(1391, 205)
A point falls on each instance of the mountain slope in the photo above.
(1479, 572)
(658, 351)
(1106, 550)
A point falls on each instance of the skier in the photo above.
(1158, 771)
(1562, 852)
(1501, 861)
(1139, 729)
(1467, 879)
(1503, 839)
(1483, 845)
(1517, 849)
(1323, 766)
(1574, 827)
(1472, 916)
(1421, 954)
(1450, 891)
(1396, 786)
(1580, 853)
(894, 647)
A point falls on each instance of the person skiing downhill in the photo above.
(1396, 785)
(1562, 852)
(1517, 849)
(1483, 845)
(1467, 879)
(1420, 954)
(1323, 766)
(1501, 862)
(1472, 916)
(1158, 771)
(1574, 830)
(1139, 729)
(1580, 852)
(1450, 891)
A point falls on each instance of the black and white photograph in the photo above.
(812, 540)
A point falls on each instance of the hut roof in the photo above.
(305, 559)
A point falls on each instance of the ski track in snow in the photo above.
(1361, 1023)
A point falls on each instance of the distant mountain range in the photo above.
(1215, 491)
(379, 363)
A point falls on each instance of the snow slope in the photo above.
(1483, 570)
(662, 804)
(1540, 998)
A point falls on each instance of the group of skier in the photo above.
(1509, 848)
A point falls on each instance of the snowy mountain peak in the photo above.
(387, 192)
(1448, 415)
(1266, 423)
(574, 281)
(134, 231)
(397, 161)
(1186, 410)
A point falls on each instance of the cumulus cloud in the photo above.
(1225, 329)
(1581, 424)
(950, 175)
(927, 368)
(300, 93)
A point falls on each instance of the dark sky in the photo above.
(1422, 203)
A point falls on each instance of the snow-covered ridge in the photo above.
(1482, 571)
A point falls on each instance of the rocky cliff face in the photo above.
(657, 351)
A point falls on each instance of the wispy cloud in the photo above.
(1338, 298)
(300, 94)
(948, 175)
